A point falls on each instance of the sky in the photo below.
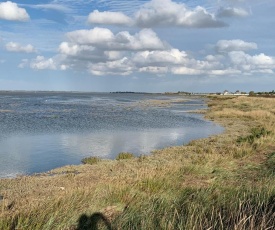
(137, 45)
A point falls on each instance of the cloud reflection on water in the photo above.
(36, 153)
(51, 129)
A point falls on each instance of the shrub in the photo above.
(124, 155)
(91, 160)
(252, 93)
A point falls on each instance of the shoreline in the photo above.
(146, 103)
(64, 169)
(73, 168)
(231, 171)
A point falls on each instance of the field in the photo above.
(221, 182)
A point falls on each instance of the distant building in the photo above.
(226, 92)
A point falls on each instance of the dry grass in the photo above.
(212, 183)
(158, 103)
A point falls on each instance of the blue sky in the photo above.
(138, 45)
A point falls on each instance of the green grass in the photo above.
(91, 160)
(210, 208)
(256, 133)
(270, 163)
(125, 155)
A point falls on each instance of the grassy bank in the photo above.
(221, 182)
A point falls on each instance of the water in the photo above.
(41, 131)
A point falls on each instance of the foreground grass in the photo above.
(222, 182)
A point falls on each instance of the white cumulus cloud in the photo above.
(186, 71)
(221, 72)
(158, 13)
(101, 51)
(16, 47)
(96, 36)
(169, 13)
(104, 38)
(110, 18)
(246, 62)
(41, 63)
(154, 69)
(115, 54)
(72, 49)
(234, 45)
(10, 11)
(82, 53)
(160, 58)
(122, 66)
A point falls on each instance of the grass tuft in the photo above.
(256, 133)
(125, 155)
(91, 160)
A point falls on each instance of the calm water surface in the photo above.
(42, 131)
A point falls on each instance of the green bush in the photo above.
(91, 160)
(124, 155)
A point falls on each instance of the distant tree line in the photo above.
(262, 94)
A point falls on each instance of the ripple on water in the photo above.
(42, 131)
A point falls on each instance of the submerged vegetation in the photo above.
(221, 182)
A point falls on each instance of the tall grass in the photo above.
(210, 208)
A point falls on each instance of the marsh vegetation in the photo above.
(225, 181)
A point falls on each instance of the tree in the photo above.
(252, 93)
